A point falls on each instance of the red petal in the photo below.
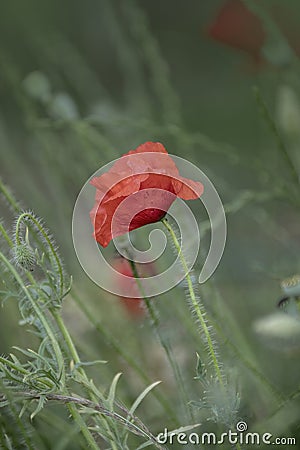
(238, 27)
(134, 306)
(148, 147)
(187, 189)
(102, 227)
(112, 185)
(146, 206)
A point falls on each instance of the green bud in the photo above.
(24, 256)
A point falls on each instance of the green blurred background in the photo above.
(81, 83)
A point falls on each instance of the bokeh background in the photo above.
(81, 83)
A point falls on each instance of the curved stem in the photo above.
(28, 215)
(196, 305)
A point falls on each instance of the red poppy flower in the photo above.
(238, 27)
(134, 305)
(138, 189)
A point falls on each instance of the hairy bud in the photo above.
(24, 256)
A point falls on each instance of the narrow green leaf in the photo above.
(200, 370)
(144, 445)
(112, 391)
(141, 397)
(41, 402)
(184, 429)
(89, 363)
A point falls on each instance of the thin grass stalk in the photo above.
(155, 323)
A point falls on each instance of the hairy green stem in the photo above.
(197, 308)
(27, 215)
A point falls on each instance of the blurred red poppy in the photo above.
(134, 305)
(149, 184)
(238, 27)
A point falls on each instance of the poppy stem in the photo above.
(197, 307)
(26, 217)
(154, 316)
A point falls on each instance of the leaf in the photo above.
(112, 391)
(144, 445)
(184, 429)
(33, 355)
(23, 409)
(5, 362)
(200, 370)
(8, 442)
(14, 359)
(69, 287)
(141, 397)
(89, 363)
(41, 402)
(27, 352)
(43, 346)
